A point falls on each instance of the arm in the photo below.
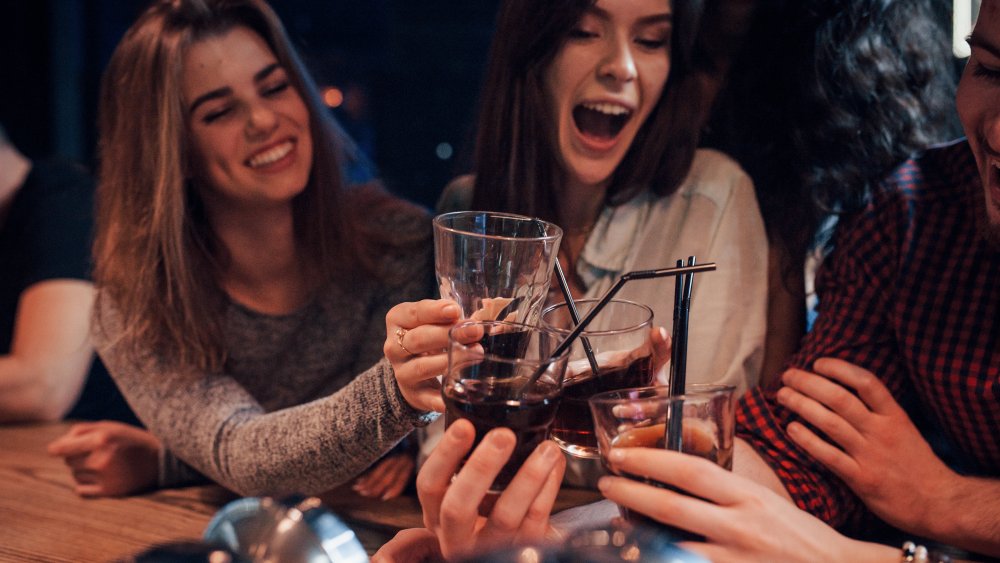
(740, 519)
(885, 460)
(856, 285)
(216, 426)
(51, 353)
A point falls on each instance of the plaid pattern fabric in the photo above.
(911, 292)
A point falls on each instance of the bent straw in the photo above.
(636, 275)
(674, 427)
(575, 315)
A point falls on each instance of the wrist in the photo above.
(867, 552)
(943, 517)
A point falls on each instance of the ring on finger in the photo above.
(400, 333)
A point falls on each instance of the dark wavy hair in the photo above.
(825, 98)
(515, 164)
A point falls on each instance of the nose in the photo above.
(618, 63)
(261, 120)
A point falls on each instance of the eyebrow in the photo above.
(226, 90)
(980, 43)
(603, 14)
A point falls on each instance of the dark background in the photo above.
(417, 63)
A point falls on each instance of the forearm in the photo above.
(966, 514)
(29, 393)
(748, 463)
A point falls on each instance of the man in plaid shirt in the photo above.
(908, 337)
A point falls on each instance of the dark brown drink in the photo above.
(573, 424)
(695, 441)
(487, 404)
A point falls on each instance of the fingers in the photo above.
(871, 390)
(429, 311)
(532, 484)
(843, 432)
(76, 443)
(660, 340)
(459, 507)
(387, 479)
(666, 506)
(831, 394)
(410, 546)
(437, 471)
(693, 474)
(842, 464)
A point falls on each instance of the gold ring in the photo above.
(400, 333)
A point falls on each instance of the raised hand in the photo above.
(109, 458)
(877, 450)
(450, 505)
(416, 345)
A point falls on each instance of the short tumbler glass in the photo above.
(491, 382)
(619, 337)
(631, 418)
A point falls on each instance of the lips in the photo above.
(271, 156)
(600, 123)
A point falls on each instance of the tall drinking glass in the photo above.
(620, 340)
(489, 382)
(496, 266)
(631, 418)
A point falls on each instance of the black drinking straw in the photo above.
(678, 377)
(575, 315)
(675, 330)
(637, 275)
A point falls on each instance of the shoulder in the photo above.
(939, 176)
(718, 177)
(378, 210)
(457, 195)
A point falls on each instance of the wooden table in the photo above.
(42, 519)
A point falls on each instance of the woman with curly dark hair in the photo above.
(822, 101)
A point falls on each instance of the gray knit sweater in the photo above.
(306, 401)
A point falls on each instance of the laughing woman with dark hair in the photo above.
(590, 118)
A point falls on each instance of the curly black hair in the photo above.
(825, 98)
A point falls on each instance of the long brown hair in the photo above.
(156, 257)
(516, 166)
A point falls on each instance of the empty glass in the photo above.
(497, 266)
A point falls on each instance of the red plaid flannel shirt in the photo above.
(911, 292)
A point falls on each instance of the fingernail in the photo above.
(781, 395)
(549, 451)
(604, 483)
(663, 334)
(616, 455)
(451, 310)
(499, 440)
(459, 431)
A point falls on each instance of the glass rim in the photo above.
(604, 332)
(515, 361)
(657, 391)
(439, 220)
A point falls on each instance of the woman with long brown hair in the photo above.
(242, 284)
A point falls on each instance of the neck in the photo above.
(265, 271)
(580, 205)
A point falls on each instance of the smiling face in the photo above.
(604, 82)
(249, 127)
(978, 102)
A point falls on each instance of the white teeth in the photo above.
(271, 155)
(609, 109)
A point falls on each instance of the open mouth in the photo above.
(601, 120)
